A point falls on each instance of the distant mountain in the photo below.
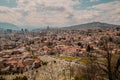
(4, 25)
(93, 25)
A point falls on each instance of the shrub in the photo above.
(21, 78)
(78, 77)
(1, 78)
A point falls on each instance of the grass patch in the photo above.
(84, 60)
(103, 60)
(67, 57)
(79, 60)
(115, 56)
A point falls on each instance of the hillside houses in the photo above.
(20, 52)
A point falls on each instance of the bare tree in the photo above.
(112, 67)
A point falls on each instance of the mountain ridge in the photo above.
(91, 25)
(5, 25)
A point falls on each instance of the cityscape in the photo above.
(59, 40)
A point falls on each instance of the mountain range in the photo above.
(4, 25)
(92, 25)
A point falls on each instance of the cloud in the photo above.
(109, 12)
(107, 6)
(9, 15)
(46, 12)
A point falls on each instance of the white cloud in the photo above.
(107, 6)
(46, 12)
(9, 15)
(109, 12)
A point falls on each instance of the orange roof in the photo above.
(12, 62)
(83, 49)
(6, 56)
(37, 60)
(20, 64)
(25, 54)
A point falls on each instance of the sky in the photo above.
(59, 12)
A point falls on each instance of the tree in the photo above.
(112, 67)
(88, 48)
(1, 78)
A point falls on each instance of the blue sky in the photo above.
(88, 3)
(8, 3)
(59, 12)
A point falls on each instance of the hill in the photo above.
(93, 25)
(4, 25)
